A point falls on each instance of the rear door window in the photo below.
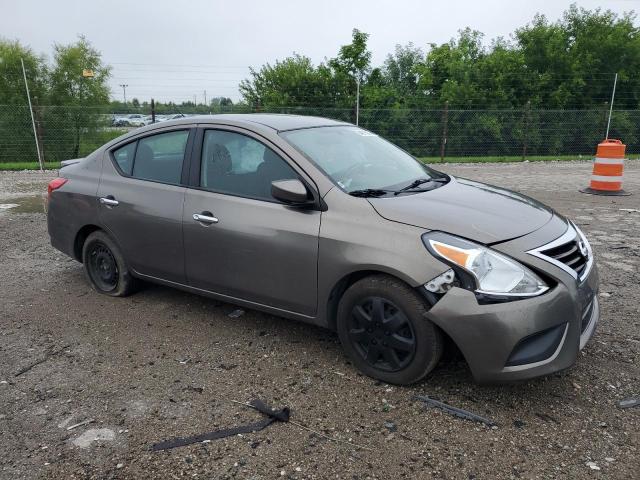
(160, 157)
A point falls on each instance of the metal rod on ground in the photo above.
(33, 120)
(304, 427)
(613, 94)
(358, 100)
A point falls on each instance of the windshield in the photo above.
(356, 159)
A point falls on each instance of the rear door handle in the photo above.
(109, 201)
(206, 218)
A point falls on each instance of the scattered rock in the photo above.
(392, 427)
(629, 402)
(193, 389)
(94, 435)
(229, 366)
(593, 466)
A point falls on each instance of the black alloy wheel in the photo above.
(382, 334)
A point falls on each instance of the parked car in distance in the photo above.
(120, 121)
(327, 223)
(149, 120)
(132, 120)
(136, 120)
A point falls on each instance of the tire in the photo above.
(383, 327)
(105, 266)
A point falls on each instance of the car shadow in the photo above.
(451, 381)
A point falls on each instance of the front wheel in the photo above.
(383, 328)
(105, 267)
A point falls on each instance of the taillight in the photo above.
(55, 184)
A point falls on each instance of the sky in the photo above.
(171, 50)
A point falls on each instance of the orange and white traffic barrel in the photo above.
(608, 168)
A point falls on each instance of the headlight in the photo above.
(494, 273)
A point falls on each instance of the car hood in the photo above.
(469, 209)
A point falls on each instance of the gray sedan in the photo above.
(327, 223)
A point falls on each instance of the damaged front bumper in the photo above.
(527, 338)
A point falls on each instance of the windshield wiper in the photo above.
(413, 186)
(417, 182)
(370, 192)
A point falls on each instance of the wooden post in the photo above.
(525, 130)
(445, 123)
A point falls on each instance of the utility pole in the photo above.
(613, 94)
(124, 92)
(358, 100)
(194, 101)
(205, 97)
(33, 120)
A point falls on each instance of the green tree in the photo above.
(354, 58)
(79, 95)
(17, 142)
(294, 81)
(401, 73)
(571, 61)
(12, 88)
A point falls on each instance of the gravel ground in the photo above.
(164, 363)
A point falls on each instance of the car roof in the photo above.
(278, 122)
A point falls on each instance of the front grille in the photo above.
(569, 254)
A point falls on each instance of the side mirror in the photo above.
(292, 192)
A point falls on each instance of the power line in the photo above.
(178, 65)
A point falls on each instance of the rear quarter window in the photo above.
(124, 157)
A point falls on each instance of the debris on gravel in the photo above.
(164, 363)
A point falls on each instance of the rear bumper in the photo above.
(522, 339)
(59, 226)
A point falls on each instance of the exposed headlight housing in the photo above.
(492, 272)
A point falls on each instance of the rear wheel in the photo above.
(383, 327)
(105, 267)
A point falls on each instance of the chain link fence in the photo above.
(446, 134)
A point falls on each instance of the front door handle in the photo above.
(109, 201)
(206, 218)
